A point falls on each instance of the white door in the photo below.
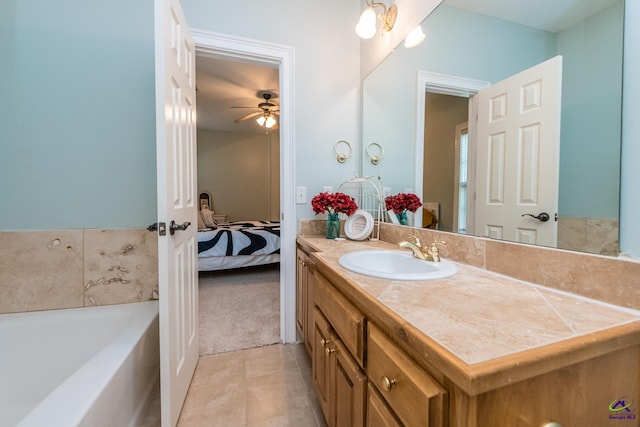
(177, 248)
(518, 151)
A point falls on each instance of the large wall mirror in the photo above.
(423, 127)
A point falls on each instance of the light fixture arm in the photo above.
(388, 17)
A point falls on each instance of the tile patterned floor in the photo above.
(261, 387)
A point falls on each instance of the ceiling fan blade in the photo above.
(247, 117)
(254, 108)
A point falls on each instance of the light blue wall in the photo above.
(77, 105)
(591, 116)
(77, 114)
(630, 199)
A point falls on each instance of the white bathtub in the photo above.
(78, 367)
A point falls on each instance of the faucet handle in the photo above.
(435, 243)
(433, 250)
(415, 240)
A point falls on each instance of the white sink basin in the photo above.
(395, 265)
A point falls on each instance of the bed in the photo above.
(238, 244)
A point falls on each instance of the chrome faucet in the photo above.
(429, 254)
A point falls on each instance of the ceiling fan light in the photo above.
(267, 121)
(270, 122)
(366, 26)
(415, 37)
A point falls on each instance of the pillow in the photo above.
(201, 223)
(207, 217)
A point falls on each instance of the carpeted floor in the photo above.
(239, 308)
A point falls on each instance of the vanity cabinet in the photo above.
(304, 298)
(372, 365)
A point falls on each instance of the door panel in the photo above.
(518, 150)
(176, 170)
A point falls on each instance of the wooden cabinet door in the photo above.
(321, 367)
(378, 413)
(349, 392)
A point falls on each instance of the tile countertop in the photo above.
(480, 328)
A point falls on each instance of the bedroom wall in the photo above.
(241, 171)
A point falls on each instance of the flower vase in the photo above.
(333, 226)
(402, 218)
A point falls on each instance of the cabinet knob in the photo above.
(328, 350)
(551, 424)
(387, 383)
(324, 342)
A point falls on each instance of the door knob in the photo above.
(542, 216)
(173, 227)
(160, 227)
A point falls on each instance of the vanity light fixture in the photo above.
(366, 26)
(415, 37)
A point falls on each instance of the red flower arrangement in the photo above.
(402, 202)
(333, 203)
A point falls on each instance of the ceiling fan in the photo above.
(266, 114)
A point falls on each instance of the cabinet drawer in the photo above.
(378, 414)
(414, 396)
(345, 319)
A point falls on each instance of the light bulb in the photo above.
(415, 37)
(267, 122)
(366, 26)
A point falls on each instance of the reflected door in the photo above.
(518, 150)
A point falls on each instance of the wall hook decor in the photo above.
(375, 158)
(340, 156)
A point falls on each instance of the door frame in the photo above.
(446, 85)
(224, 45)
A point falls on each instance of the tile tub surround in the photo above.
(480, 328)
(45, 270)
(593, 235)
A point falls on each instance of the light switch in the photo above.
(301, 195)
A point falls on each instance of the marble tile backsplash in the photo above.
(608, 279)
(44, 270)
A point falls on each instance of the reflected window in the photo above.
(462, 175)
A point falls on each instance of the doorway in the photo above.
(281, 57)
(453, 86)
(445, 160)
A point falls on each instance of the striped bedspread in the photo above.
(240, 238)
